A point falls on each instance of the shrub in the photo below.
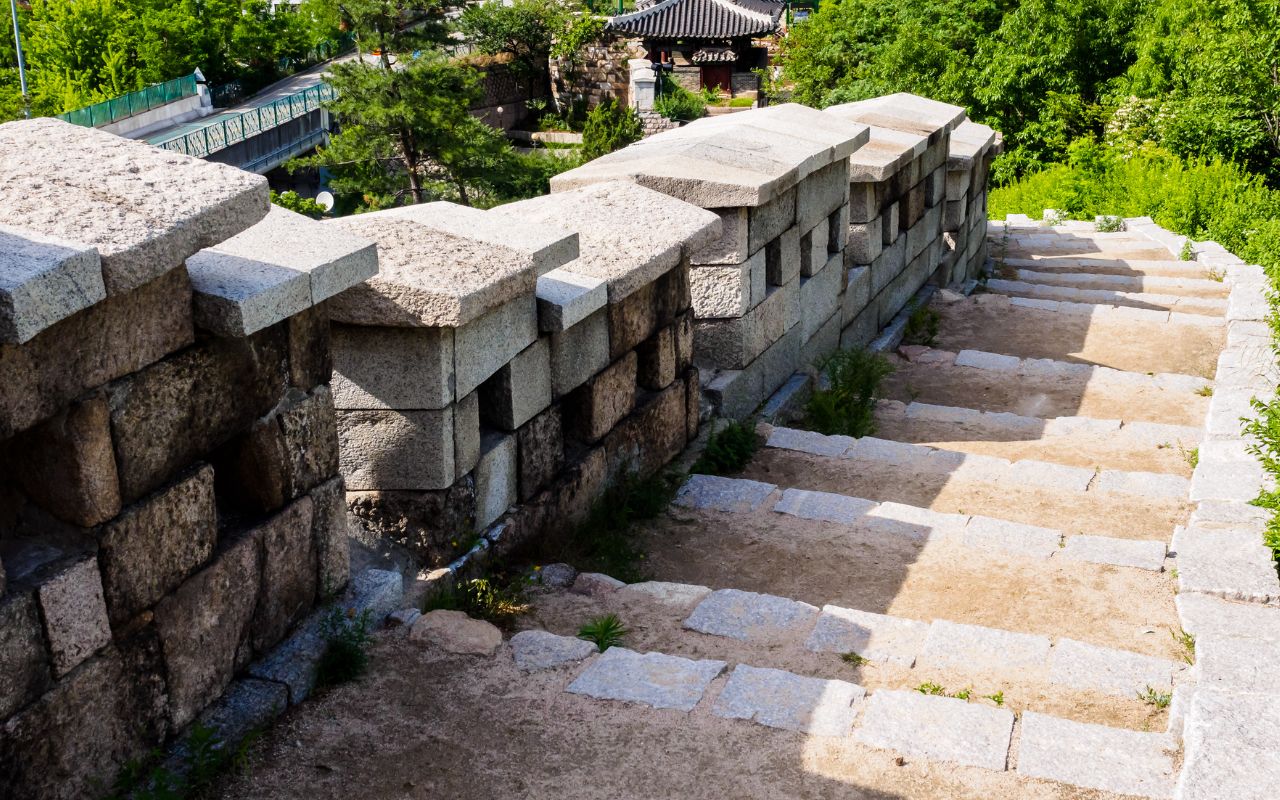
(296, 202)
(728, 450)
(678, 103)
(922, 326)
(609, 128)
(604, 632)
(847, 405)
(487, 598)
(347, 637)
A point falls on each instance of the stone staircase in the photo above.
(991, 580)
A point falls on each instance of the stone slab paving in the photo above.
(749, 616)
(1241, 664)
(973, 648)
(1051, 368)
(809, 442)
(913, 522)
(1095, 756)
(1147, 484)
(1104, 669)
(1206, 616)
(824, 506)
(1232, 564)
(780, 699)
(875, 637)
(651, 679)
(714, 493)
(1135, 553)
(538, 650)
(1229, 747)
(1011, 537)
(679, 595)
(941, 728)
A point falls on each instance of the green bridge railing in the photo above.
(223, 133)
(118, 108)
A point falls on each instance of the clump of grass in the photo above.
(490, 598)
(1191, 456)
(1155, 698)
(728, 450)
(604, 632)
(1188, 252)
(205, 758)
(929, 687)
(1216, 275)
(997, 698)
(853, 659)
(1187, 641)
(346, 647)
(922, 326)
(847, 405)
(1205, 391)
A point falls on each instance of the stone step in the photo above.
(971, 467)
(1101, 311)
(1103, 265)
(1158, 284)
(1114, 336)
(1075, 440)
(921, 526)
(942, 729)
(1070, 296)
(1045, 388)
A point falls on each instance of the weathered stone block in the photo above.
(651, 679)
(782, 257)
(656, 359)
(496, 478)
(603, 401)
(716, 493)
(430, 525)
(566, 298)
(875, 637)
(813, 249)
(541, 452)
(74, 612)
(118, 336)
(45, 281)
(732, 247)
(692, 402)
(289, 571)
(914, 207)
(67, 464)
(310, 349)
(398, 368)
(838, 229)
(1095, 756)
(652, 436)
(821, 192)
(466, 434)
(329, 531)
(287, 452)
(819, 298)
(823, 342)
(24, 661)
(672, 296)
(864, 203)
(520, 389)
(890, 227)
(204, 626)
(958, 184)
(174, 412)
(483, 345)
(537, 650)
(749, 616)
(579, 352)
(632, 321)
(888, 265)
(941, 728)
(396, 450)
(767, 222)
(865, 242)
(735, 343)
(728, 291)
(857, 292)
(156, 543)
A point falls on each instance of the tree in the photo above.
(609, 128)
(524, 30)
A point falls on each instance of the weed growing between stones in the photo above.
(922, 326)
(1188, 252)
(929, 687)
(1205, 391)
(346, 652)
(604, 632)
(847, 404)
(1109, 224)
(1187, 641)
(853, 659)
(1191, 456)
(204, 759)
(1265, 432)
(1160, 700)
(497, 598)
(728, 450)
(1216, 275)
(997, 698)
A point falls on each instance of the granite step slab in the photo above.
(652, 679)
(1095, 756)
(779, 699)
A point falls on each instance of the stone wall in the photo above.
(599, 73)
(170, 505)
(505, 102)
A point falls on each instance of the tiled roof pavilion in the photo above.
(700, 19)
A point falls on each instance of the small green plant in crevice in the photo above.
(847, 404)
(497, 598)
(997, 698)
(346, 637)
(728, 450)
(1264, 430)
(1186, 641)
(604, 632)
(922, 326)
(1109, 224)
(1155, 698)
(204, 758)
(853, 659)
(929, 687)
(1191, 456)
(1188, 251)
(1216, 275)
(1205, 391)
(963, 694)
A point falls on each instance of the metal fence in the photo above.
(222, 133)
(128, 105)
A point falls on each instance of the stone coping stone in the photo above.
(937, 728)
(903, 112)
(566, 298)
(887, 152)
(651, 679)
(875, 637)
(779, 699)
(723, 162)
(280, 267)
(712, 492)
(1229, 747)
(1107, 670)
(443, 265)
(749, 616)
(628, 235)
(43, 280)
(969, 140)
(539, 650)
(145, 209)
(1096, 756)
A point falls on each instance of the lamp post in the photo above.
(22, 67)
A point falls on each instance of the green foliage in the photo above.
(997, 698)
(582, 30)
(728, 449)
(346, 644)
(492, 598)
(297, 203)
(203, 759)
(678, 103)
(853, 659)
(604, 632)
(929, 687)
(1109, 224)
(609, 127)
(1186, 641)
(523, 29)
(1264, 431)
(1160, 700)
(922, 326)
(847, 404)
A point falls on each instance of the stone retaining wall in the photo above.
(170, 505)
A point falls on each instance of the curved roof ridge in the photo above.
(714, 19)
